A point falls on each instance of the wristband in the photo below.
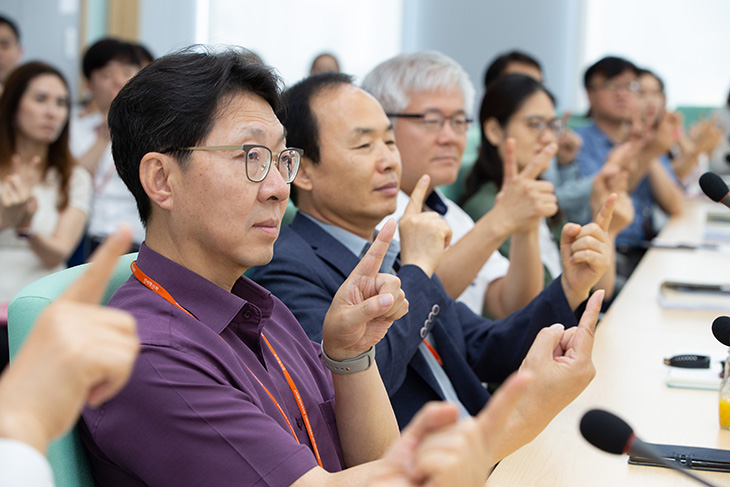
(351, 365)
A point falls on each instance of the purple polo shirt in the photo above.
(193, 413)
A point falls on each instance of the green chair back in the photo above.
(66, 455)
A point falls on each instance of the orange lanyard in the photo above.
(142, 277)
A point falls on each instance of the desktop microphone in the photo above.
(611, 434)
(721, 330)
(715, 188)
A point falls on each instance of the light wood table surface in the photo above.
(632, 340)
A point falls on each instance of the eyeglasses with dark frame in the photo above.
(612, 86)
(434, 120)
(539, 124)
(259, 158)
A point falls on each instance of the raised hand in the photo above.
(423, 235)
(569, 143)
(613, 178)
(523, 199)
(365, 305)
(437, 449)
(79, 352)
(586, 254)
(17, 204)
(706, 135)
(659, 141)
(561, 365)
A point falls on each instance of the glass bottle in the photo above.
(725, 396)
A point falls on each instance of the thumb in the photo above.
(503, 402)
(374, 307)
(546, 341)
(585, 334)
(431, 417)
(565, 119)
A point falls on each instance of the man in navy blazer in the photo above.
(348, 181)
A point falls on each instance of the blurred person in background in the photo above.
(44, 195)
(613, 87)
(325, 63)
(107, 65)
(10, 48)
(690, 147)
(720, 161)
(517, 120)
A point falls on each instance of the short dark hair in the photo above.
(13, 26)
(643, 71)
(298, 118)
(499, 64)
(106, 50)
(503, 98)
(174, 103)
(609, 67)
(144, 55)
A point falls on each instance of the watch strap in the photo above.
(351, 365)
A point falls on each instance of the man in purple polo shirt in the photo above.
(228, 389)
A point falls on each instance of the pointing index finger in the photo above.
(370, 264)
(418, 196)
(540, 162)
(564, 120)
(583, 338)
(90, 286)
(509, 165)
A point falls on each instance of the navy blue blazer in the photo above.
(308, 267)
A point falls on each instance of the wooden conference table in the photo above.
(632, 340)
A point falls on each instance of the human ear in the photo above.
(155, 172)
(493, 131)
(303, 181)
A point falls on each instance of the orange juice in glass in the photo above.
(725, 397)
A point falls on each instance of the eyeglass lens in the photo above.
(258, 162)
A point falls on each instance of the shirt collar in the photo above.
(212, 305)
(436, 203)
(598, 135)
(358, 245)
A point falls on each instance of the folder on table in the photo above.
(694, 295)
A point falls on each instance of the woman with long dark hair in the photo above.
(44, 195)
(520, 108)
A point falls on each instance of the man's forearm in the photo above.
(523, 281)
(463, 260)
(365, 418)
(667, 193)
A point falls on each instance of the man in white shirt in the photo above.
(420, 92)
(107, 65)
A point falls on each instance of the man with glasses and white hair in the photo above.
(429, 97)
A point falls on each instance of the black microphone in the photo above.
(715, 188)
(721, 330)
(611, 434)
